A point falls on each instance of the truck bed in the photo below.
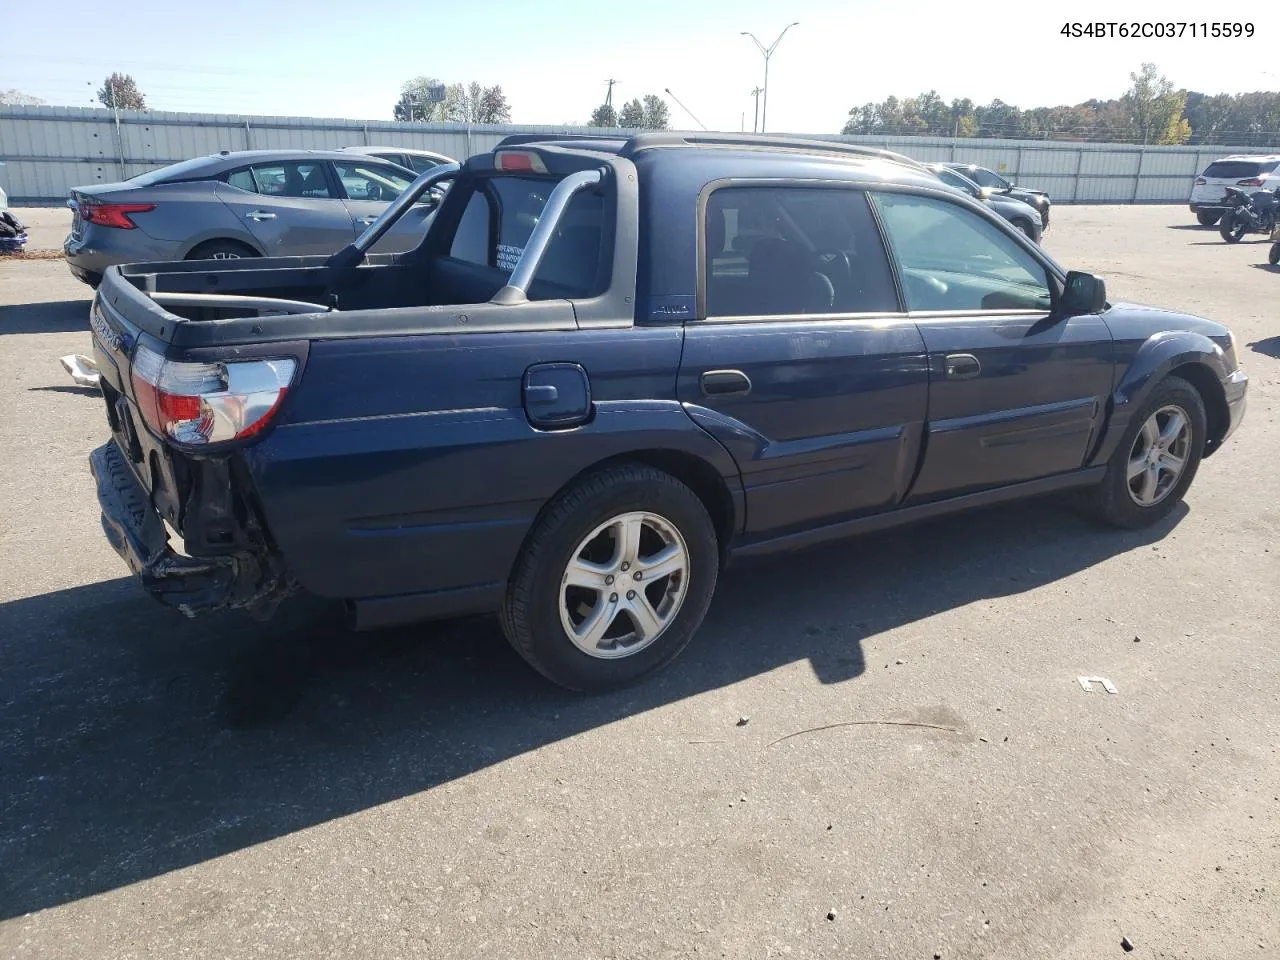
(197, 303)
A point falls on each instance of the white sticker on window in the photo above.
(509, 256)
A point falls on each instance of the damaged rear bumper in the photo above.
(192, 585)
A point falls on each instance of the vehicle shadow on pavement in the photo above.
(1270, 347)
(59, 316)
(134, 742)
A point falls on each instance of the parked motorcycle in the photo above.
(1256, 213)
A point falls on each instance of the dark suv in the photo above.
(999, 185)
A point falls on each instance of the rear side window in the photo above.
(1238, 169)
(397, 158)
(500, 217)
(300, 180)
(785, 251)
(243, 180)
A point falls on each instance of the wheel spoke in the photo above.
(592, 629)
(628, 533)
(646, 619)
(1173, 428)
(666, 561)
(1172, 463)
(1150, 480)
(1136, 468)
(585, 574)
(1150, 434)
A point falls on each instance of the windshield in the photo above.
(174, 171)
(953, 179)
(1238, 169)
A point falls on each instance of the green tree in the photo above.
(492, 107)
(656, 114)
(121, 92)
(415, 102)
(862, 120)
(632, 115)
(604, 116)
(1153, 106)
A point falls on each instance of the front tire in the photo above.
(1156, 459)
(614, 580)
(1207, 218)
(1233, 227)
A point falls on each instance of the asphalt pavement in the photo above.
(920, 774)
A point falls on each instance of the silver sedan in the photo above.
(246, 204)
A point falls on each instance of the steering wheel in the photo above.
(835, 265)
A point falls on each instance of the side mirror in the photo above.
(1084, 293)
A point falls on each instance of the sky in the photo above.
(323, 59)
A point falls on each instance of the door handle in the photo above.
(724, 383)
(961, 366)
(259, 215)
(366, 220)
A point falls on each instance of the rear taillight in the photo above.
(1201, 181)
(196, 404)
(113, 214)
(1251, 182)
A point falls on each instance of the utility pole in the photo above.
(608, 97)
(755, 120)
(767, 52)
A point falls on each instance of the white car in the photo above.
(418, 161)
(1250, 173)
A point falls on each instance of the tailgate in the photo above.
(115, 339)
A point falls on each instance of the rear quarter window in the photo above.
(499, 219)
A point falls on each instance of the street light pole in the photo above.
(767, 52)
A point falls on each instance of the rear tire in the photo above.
(1207, 218)
(222, 250)
(1233, 227)
(1140, 486)
(606, 531)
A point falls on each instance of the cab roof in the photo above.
(759, 155)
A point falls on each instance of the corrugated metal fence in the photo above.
(48, 150)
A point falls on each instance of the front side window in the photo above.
(785, 251)
(370, 181)
(952, 259)
(301, 180)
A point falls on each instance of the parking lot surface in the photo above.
(919, 775)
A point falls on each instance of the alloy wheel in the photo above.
(1159, 455)
(624, 585)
